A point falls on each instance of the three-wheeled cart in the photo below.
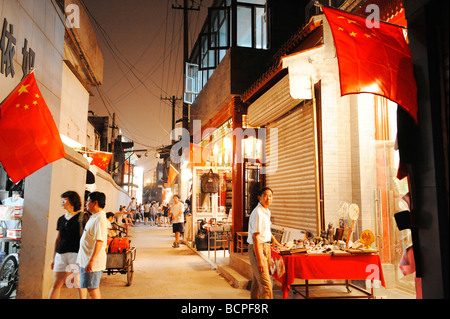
(121, 263)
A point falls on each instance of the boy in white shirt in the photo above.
(177, 210)
(92, 253)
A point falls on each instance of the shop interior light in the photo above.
(227, 144)
(187, 174)
(252, 147)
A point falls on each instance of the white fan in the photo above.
(353, 212)
(343, 210)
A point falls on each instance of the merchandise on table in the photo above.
(319, 245)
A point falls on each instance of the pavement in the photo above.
(163, 272)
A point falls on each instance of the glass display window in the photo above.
(212, 204)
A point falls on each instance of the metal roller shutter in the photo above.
(294, 181)
(272, 104)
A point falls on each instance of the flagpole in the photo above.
(320, 5)
(122, 163)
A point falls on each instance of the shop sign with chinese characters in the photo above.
(8, 51)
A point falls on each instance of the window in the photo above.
(244, 26)
(192, 83)
(261, 28)
(251, 26)
(216, 37)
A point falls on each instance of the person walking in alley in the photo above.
(165, 211)
(152, 214)
(177, 210)
(132, 206)
(147, 206)
(158, 211)
(70, 227)
(259, 239)
(92, 253)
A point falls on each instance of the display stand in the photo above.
(327, 267)
(241, 241)
(219, 235)
(306, 294)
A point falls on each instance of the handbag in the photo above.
(210, 182)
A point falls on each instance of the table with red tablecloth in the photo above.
(326, 267)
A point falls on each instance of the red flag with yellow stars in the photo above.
(172, 174)
(373, 60)
(101, 159)
(198, 155)
(29, 138)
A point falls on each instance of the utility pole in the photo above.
(173, 100)
(113, 142)
(186, 10)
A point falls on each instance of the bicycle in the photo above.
(9, 274)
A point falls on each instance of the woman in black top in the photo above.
(69, 227)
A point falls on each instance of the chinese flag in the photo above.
(172, 174)
(29, 138)
(101, 159)
(198, 155)
(373, 60)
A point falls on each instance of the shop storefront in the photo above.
(332, 155)
(212, 186)
(224, 185)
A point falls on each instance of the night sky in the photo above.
(142, 46)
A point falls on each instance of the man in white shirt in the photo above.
(92, 253)
(259, 239)
(177, 210)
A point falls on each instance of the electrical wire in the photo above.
(117, 56)
(115, 51)
(127, 68)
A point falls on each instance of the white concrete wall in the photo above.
(42, 208)
(90, 136)
(348, 145)
(115, 196)
(336, 134)
(40, 23)
(74, 107)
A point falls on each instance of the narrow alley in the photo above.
(162, 272)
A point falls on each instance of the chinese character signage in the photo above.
(8, 51)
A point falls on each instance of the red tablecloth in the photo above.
(304, 266)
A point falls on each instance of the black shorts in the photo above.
(147, 215)
(178, 227)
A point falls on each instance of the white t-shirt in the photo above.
(259, 222)
(96, 229)
(176, 209)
